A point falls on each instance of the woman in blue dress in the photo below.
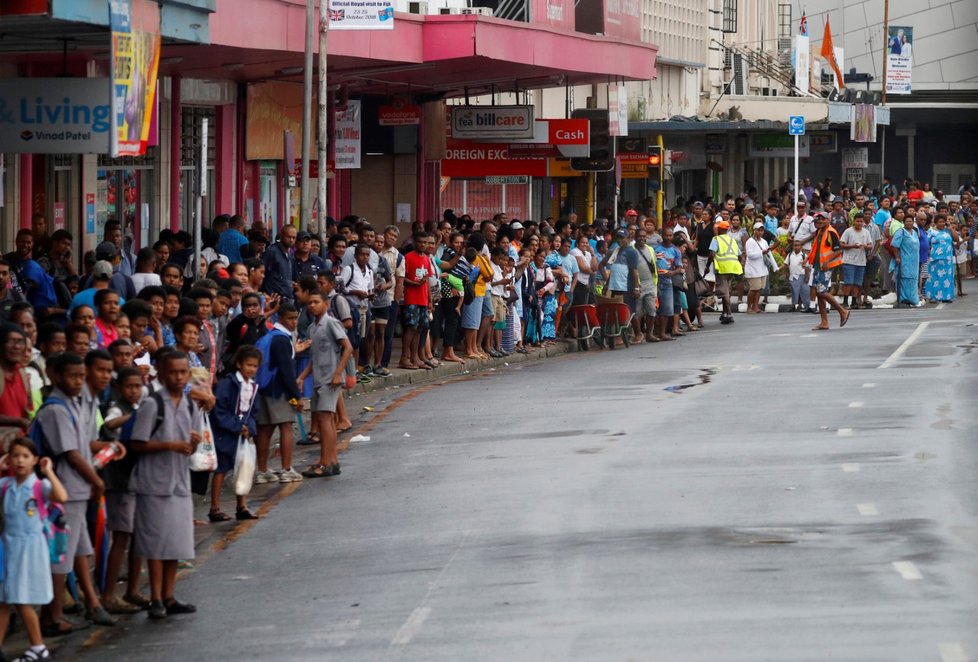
(28, 557)
(905, 266)
(940, 283)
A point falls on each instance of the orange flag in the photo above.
(828, 52)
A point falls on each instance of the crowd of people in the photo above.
(118, 369)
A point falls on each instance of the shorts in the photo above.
(872, 267)
(822, 281)
(415, 316)
(487, 304)
(79, 544)
(708, 274)
(582, 295)
(274, 411)
(325, 398)
(498, 309)
(666, 308)
(648, 304)
(379, 316)
(120, 511)
(853, 274)
(472, 314)
(627, 298)
(724, 283)
(757, 283)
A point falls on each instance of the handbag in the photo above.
(204, 457)
(244, 467)
(679, 281)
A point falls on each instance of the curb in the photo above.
(446, 369)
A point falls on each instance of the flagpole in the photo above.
(886, 42)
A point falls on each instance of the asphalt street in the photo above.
(759, 491)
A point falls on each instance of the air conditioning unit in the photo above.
(480, 11)
(449, 11)
(417, 7)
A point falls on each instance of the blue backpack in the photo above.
(36, 433)
(267, 371)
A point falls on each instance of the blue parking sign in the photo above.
(796, 125)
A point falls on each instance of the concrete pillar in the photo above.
(26, 189)
(176, 138)
(224, 161)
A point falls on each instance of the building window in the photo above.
(730, 16)
(784, 27)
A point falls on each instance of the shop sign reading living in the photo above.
(55, 115)
(135, 61)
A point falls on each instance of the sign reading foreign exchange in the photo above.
(55, 115)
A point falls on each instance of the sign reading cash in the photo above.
(489, 122)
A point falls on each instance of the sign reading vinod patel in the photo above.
(492, 122)
(55, 115)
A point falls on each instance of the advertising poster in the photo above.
(54, 115)
(361, 15)
(899, 59)
(803, 63)
(347, 137)
(135, 61)
(863, 126)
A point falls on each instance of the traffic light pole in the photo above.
(660, 194)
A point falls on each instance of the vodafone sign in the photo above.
(568, 132)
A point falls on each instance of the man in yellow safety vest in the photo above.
(727, 261)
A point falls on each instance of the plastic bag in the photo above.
(204, 458)
(244, 467)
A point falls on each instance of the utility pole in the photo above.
(324, 123)
(305, 206)
(886, 55)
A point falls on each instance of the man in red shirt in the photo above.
(15, 402)
(417, 268)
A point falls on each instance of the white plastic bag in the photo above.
(204, 458)
(244, 467)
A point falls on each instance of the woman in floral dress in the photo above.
(940, 281)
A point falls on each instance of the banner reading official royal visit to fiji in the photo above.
(361, 15)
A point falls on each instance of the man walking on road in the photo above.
(727, 262)
(826, 256)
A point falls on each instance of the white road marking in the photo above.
(411, 626)
(907, 570)
(850, 467)
(844, 432)
(867, 509)
(953, 652)
(940, 306)
(899, 351)
(810, 335)
(855, 405)
(869, 385)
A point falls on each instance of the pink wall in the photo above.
(224, 157)
(555, 13)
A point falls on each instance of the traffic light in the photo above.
(602, 144)
(655, 166)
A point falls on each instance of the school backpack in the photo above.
(267, 371)
(36, 433)
(353, 333)
(125, 432)
(53, 520)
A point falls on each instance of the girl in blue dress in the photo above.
(940, 281)
(27, 580)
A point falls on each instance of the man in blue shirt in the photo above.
(883, 215)
(29, 278)
(307, 263)
(233, 239)
(669, 262)
(280, 265)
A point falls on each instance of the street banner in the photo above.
(135, 62)
(361, 15)
(347, 137)
(899, 59)
(618, 110)
(803, 65)
(863, 125)
(54, 115)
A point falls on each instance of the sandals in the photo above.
(136, 600)
(318, 471)
(218, 516)
(116, 606)
(244, 514)
(62, 628)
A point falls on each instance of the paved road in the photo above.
(759, 492)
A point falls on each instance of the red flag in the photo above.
(803, 26)
(828, 52)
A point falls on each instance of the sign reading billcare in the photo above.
(489, 122)
(55, 115)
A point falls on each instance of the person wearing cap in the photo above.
(623, 279)
(120, 282)
(756, 268)
(825, 257)
(631, 216)
(518, 232)
(112, 234)
(101, 279)
(727, 261)
(306, 262)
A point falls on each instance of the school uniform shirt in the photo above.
(166, 473)
(327, 334)
(796, 264)
(64, 429)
